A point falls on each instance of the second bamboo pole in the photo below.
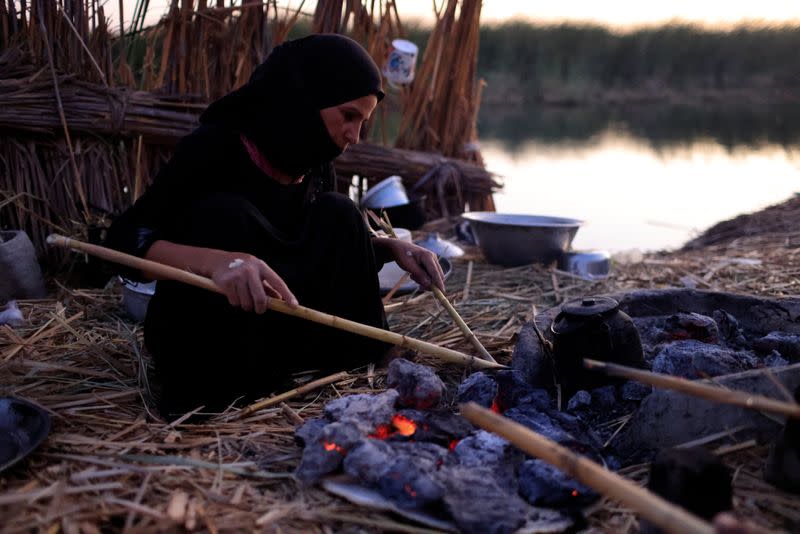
(664, 514)
(173, 273)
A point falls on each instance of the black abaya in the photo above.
(209, 353)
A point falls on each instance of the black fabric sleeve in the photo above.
(154, 215)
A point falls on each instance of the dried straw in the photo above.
(111, 460)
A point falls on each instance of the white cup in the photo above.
(399, 67)
(391, 273)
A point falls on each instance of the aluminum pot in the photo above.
(511, 240)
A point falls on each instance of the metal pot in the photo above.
(593, 328)
(511, 240)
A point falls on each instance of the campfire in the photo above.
(411, 450)
(407, 449)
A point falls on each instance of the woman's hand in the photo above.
(421, 263)
(247, 282)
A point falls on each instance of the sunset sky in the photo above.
(627, 12)
(615, 13)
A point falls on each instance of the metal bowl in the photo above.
(387, 193)
(510, 240)
(23, 427)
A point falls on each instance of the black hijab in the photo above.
(278, 108)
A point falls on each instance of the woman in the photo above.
(246, 200)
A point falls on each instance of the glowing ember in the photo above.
(382, 432)
(404, 425)
(453, 444)
(400, 425)
(496, 407)
(330, 446)
(575, 493)
(410, 490)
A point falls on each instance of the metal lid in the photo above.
(588, 306)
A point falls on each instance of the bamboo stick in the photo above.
(698, 389)
(660, 512)
(277, 399)
(173, 273)
(484, 354)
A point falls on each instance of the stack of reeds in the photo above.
(88, 117)
(441, 106)
(121, 138)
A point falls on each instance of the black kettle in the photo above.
(595, 328)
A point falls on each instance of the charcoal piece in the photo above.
(429, 456)
(575, 428)
(544, 485)
(407, 485)
(479, 388)
(635, 391)
(651, 329)
(691, 326)
(404, 473)
(693, 359)
(366, 410)
(560, 427)
(478, 504)
(581, 400)
(418, 385)
(782, 468)
(439, 426)
(484, 449)
(368, 460)
(774, 359)
(730, 332)
(604, 397)
(693, 479)
(787, 344)
(310, 431)
(538, 398)
(325, 455)
(653, 425)
(512, 387)
(531, 360)
(538, 422)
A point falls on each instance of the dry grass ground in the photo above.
(111, 463)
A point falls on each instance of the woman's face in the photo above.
(344, 121)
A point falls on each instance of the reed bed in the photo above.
(111, 462)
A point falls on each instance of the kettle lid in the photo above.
(589, 306)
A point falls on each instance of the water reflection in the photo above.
(660, 126)
(639, 192)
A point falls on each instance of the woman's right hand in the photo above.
(247, 281)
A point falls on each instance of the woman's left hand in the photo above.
(421, 263)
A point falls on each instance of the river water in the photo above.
(646, 181)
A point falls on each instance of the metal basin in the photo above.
(510, 240)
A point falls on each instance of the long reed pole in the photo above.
(179, 275)
(698, 389)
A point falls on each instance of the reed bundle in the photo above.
(444, 95)
(441, 106)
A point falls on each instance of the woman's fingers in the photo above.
(232, 294)
(433, 269)
(242, 289)
(257, 292)
(276, 283)
(422, 264)
(247, 282)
